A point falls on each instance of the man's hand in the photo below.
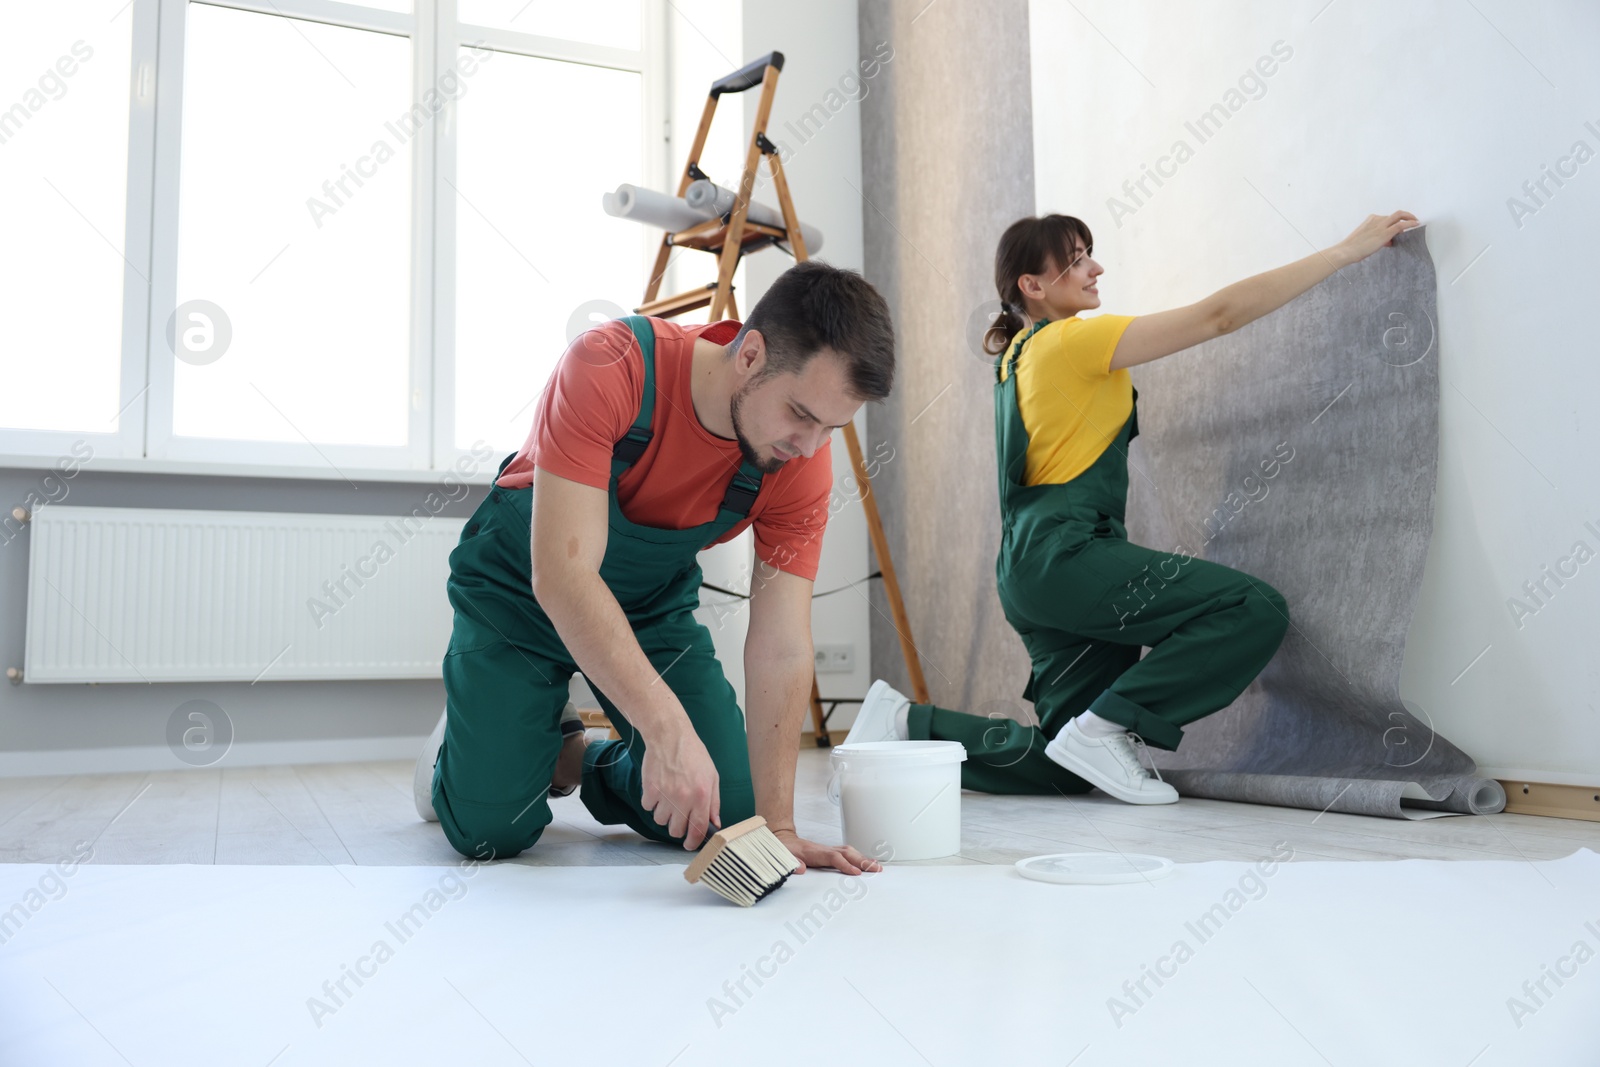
(680, 785)
(842, 858)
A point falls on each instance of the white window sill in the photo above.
(485, 475)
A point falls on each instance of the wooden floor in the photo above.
(362, 813)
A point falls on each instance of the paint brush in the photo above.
(743, 862)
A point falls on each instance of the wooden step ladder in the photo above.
(730, 237)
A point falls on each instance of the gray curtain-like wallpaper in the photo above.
(947, 164)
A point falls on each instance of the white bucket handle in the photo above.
(833, 781)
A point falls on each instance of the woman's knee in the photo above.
(1270, 608)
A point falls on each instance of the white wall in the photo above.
(819, 44)
(1444, 110)
(710, 38)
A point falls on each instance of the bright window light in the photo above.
(540, 142)
(64, 76)
(295, 229)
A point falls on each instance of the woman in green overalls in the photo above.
(1084, 599)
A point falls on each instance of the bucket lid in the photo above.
(1094, 868)
(901, 753)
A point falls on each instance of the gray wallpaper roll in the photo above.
(703, 201)
(706, 196)
(652, 208)
(1302, 449)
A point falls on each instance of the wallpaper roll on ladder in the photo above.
(652, 208)
(705, 195)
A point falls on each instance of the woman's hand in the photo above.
(842, 858)
(1377, 232)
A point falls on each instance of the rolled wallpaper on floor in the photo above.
(1302, 449)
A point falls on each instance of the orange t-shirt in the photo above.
(592, 399)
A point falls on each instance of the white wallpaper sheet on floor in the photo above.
(1414, 961)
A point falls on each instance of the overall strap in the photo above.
(1011, 437)
(627, 451)
(746, 484)
(741, 494)
(1010, 359)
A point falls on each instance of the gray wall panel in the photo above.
(947, 161)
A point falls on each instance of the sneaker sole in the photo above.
(422, 777)
(1092, 775)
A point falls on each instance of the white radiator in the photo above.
(157, 595)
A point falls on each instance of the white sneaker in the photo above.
(880, 709)
(422, 775)
(1111, 763)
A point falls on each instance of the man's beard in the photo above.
(765, 466)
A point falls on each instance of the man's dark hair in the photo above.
(812, 306)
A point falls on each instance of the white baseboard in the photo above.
(242, 754)
(1513, 774)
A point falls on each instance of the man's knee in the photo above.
(490, 833)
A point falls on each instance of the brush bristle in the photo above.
(747, 863)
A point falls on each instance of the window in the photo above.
(310, 236)
(67, 260)
(533, 249)
(294, 233)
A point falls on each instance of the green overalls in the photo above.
(1085, 602)
(506, 671)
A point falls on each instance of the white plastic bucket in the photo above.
(899, 800)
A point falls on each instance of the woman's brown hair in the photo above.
(1029, 246)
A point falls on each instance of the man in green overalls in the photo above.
(1085, 600)
(552, 576)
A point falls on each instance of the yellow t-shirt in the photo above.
(1072, 404)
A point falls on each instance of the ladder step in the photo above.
(668, 306)
(755, 233)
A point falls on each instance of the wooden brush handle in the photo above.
(719, 841)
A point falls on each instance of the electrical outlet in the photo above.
(835, 659)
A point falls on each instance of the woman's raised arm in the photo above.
(1150, 337)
